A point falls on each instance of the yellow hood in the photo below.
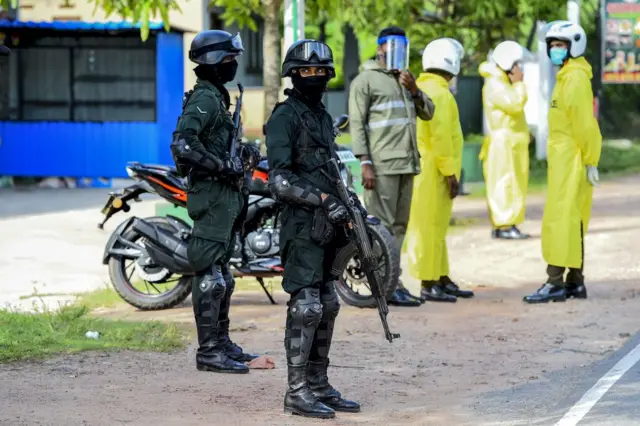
(575, 65)
(435, 78)
(488, 69)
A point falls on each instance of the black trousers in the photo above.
(574, 276)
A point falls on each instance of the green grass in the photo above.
(26, 336)
(103, 298)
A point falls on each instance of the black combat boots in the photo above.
(234, 351)
(319, 385)
(207, 297)
(300, 400)
(303, 317)
(319, 357)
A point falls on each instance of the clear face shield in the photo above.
(527, 56)
(453, 85)
(395, 52)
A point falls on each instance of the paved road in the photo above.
(577, 396)
(50, 243)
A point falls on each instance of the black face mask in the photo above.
(312, 87)
(219, 73)
(227, 71)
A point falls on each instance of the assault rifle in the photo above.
(358, 231)
(234, 136)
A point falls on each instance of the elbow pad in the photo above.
(184, 154)
(285, 191)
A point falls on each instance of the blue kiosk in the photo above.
(82, 99)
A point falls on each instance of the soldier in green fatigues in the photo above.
(299, 139)
(383, 103)
(215, 201)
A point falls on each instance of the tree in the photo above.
(244, 12)
(138, 11)
(478, 24)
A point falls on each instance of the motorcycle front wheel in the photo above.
(144, 285)
(353, 287)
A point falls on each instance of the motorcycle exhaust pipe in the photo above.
(165, 249)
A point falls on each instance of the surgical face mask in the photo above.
(396, 52)
(557, 55)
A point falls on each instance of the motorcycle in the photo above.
(156, 246)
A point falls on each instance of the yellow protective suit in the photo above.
(440, 146)
(505, 153)
(574, 143)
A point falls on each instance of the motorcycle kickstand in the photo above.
(264, 287)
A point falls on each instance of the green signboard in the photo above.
(621, 39)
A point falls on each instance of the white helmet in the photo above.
(571, 33)
(443, 54)
(508, 53)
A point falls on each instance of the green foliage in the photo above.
(138, 11)
(9, 4)
(26, 336)
(242, 12)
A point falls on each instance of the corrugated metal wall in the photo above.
(96, 149)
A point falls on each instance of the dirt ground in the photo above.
(449, 359)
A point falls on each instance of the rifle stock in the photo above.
(365, 252)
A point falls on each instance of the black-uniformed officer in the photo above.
(200, 149)
(299, 138)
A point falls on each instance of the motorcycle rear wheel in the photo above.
(127, 290)
(384, 246)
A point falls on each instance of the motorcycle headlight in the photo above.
(131, 173)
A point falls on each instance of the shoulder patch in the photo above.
(201, 111)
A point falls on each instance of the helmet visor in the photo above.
(232, 46)
(236, 43)
(307, 50)
(456, 45)
(396, 52)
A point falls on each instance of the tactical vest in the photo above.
(215, 135)
(314, 148)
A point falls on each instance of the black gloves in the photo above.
(250, 155)
(232, 167)
(336, 211)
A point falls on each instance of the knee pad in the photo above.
(213, 282)
(305, 308)
(330, 301)
(228, 279)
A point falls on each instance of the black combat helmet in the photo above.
(308, 53)
(4, 50)
(211, 47)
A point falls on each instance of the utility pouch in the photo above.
(322, 231)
